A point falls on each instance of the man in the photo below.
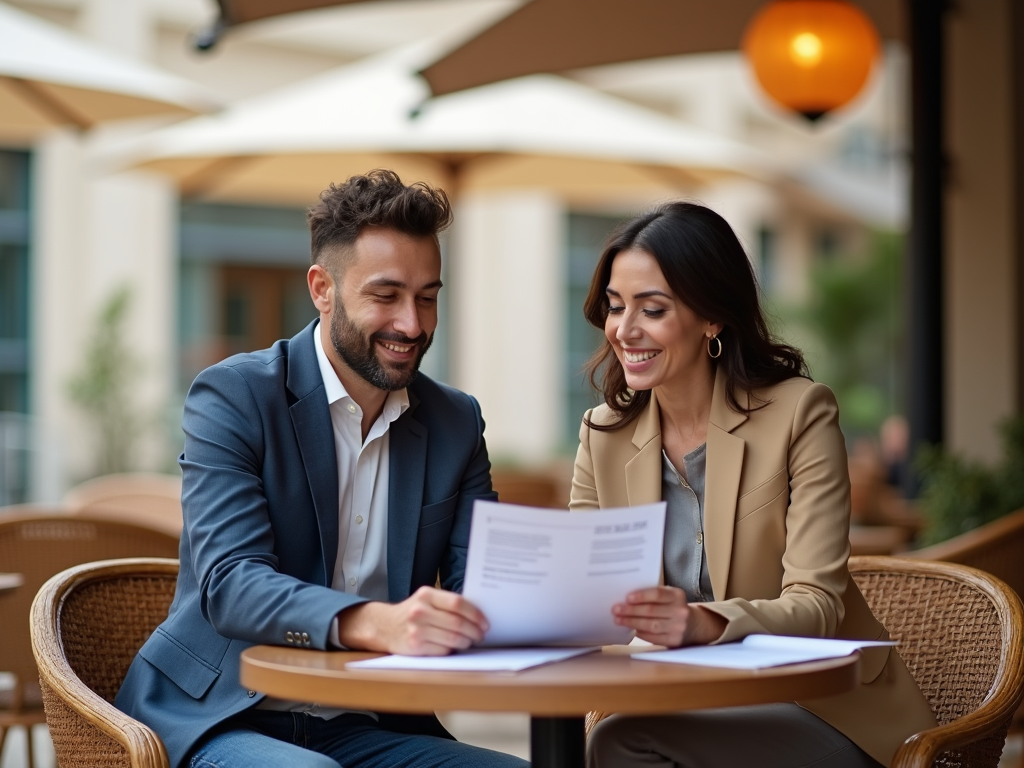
(325, 488)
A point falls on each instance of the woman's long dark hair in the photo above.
(705, 265)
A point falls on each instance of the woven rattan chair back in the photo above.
(82, 663)
(995, 548)
(145, 498)
(39, 545)
(959, 632)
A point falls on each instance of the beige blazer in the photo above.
(776, 535)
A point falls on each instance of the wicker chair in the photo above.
(995, 548)
(144, 498)
(82, 664)
(36, 546)
(960, 632)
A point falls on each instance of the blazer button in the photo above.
(305, 639)
(252, 694)
(289, 637)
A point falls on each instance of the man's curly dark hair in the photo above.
(377, 199)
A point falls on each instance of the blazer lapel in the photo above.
(722, 485)
(408, 468)
(643, 471)
(311, 419)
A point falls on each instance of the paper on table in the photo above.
(475, 660)
(760, 651)
(545, 577)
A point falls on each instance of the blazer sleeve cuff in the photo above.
(740, 622)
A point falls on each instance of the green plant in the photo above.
(104, 387)
(958, 495)
(854, 318)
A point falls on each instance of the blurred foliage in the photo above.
(105, 385)
(958, 495)
(854, 316)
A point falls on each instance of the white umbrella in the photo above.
(539, 131)
(51, 77)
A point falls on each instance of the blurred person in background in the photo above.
(705, 410)
(325, 487)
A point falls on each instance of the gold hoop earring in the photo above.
(717, 354)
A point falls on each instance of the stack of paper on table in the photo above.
(476, 660)
(760, 651)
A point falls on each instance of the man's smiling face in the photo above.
(385, 305)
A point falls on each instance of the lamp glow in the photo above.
(806, 49)
(811, 56)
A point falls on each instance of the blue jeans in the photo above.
(268, 739)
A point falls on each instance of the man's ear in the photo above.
(321, 288)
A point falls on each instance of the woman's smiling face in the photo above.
(657, 339)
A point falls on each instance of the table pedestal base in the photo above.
(557, 742)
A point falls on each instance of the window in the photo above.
(243, 284)
(767, 258)
(827, 244)
(586, 236)
(14, 232)
(243, 281)
(14, 326)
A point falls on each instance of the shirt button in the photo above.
(700, 537)
(359, 519)
(351, 408)
(351, 582)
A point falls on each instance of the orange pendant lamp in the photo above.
(811, 56)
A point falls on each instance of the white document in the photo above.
(545, 577)
(760, 651)
(475, 660)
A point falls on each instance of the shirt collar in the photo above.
(394, 406)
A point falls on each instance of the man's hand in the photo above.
(661, 615)
(431, 622)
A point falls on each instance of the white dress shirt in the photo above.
(363, 475)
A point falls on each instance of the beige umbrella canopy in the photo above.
(542, 132)
(561, 35)
(241, 11)
(233, 12)
(50, 77)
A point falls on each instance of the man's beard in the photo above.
(359, 352)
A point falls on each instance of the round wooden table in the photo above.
(557, 696)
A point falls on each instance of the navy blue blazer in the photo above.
(260, 502)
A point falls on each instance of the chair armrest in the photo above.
(920, 750)
(62, 688)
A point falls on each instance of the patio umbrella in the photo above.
(50, 77)
(232, 12)
(561, 35)
(542, 131)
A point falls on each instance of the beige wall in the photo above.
(92, 234)
(980, 301)
(507, 330)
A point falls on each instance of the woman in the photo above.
(705, 410)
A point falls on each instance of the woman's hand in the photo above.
(661, 615)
